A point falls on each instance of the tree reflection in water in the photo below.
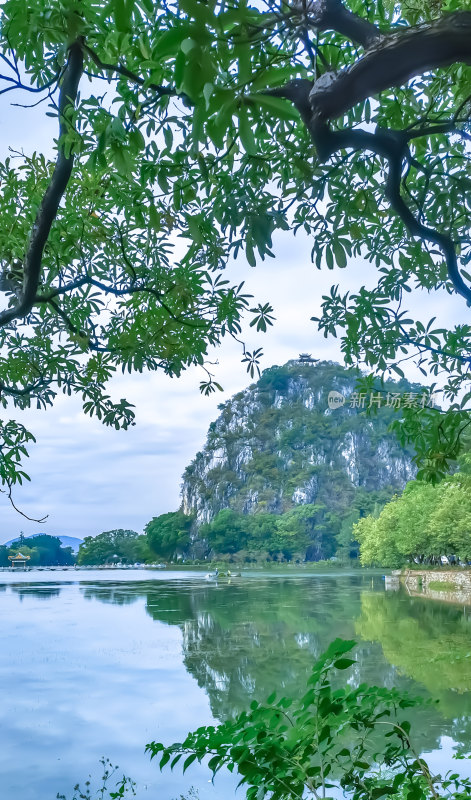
(42, 591)
(241, 640)
(429, 642)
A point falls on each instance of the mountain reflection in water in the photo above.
(99, 667)
(242, 640)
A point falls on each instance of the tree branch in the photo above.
(50, 203)
(393, 61)
(67, 287)
(339, 19)
(417, 228)
(388, 144)
(163, 91)
(41, 383)
(86, 280)
(12, 503)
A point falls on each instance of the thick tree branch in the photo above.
(451, 126)
(391, 145)
(388, 144)
(417, 228)
(339, 19)
(54, 192)
(393, 61)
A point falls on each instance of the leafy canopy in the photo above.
(303, 533)
(189, 132)
(425, 523)
(168, 535)
(112, 546)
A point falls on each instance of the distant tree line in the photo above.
(297, 534)
(116, 546)
(43, 550)
(301, 533)
(308, 532)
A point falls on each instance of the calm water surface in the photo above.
(98, 664)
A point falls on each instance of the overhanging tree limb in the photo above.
(393, 61)
(53, 195)
(333, 15)
(151, 172)
(447, 41)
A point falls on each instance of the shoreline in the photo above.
(447, 585)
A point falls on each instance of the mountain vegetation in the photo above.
(284, 475)
(207, 131)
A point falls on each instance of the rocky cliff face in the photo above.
(278, 444)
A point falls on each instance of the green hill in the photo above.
(277, 446)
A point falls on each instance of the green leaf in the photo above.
(168, 43)
(340, 646)
(275, 105)
(250, 255)
(187, 45)
(123, 13)
(165, 758)
(340, 255)
(154, 218)
(243, 55)
(137, 140)
(207, 92)
(188, 761)
(344, 663)
(246, 132)
(329, 257)
(381, 791)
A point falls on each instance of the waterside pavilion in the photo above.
(19, 561)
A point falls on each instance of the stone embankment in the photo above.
(447, 585)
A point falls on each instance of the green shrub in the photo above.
(291, 748)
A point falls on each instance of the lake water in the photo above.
(98, 664)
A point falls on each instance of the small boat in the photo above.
(213, 576)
